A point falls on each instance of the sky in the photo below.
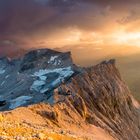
(60, 23)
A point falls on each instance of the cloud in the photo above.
(25, 21)
(132, 16)
(20, 16)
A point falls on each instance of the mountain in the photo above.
(63, 101)
(31, 79)
(128, 59)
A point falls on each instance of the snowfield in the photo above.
(2, 71)
(19, 101)
(54, 60)
(39, 85)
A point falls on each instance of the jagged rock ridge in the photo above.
(101, 98)
(31, 79)
(84, 97)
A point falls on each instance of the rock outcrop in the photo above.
(73, 97)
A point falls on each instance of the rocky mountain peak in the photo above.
(32, 78)
(66, 95)
(45, 58)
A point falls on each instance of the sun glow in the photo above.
(131, 39)
(79, 37)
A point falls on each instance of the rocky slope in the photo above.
(73, 103)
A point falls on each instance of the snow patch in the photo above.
(2, 71)
(37, 85)
(44, 90)
(61, 71)
(19, 101)
(54, 60)
(2, 83)
(43, 78)
(7, 76)
(40, 85)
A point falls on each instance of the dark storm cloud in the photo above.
(26, 16)
(21, 19)
(20, 15)
(131, 17)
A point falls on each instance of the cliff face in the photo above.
(101, 98)
(92, 103)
